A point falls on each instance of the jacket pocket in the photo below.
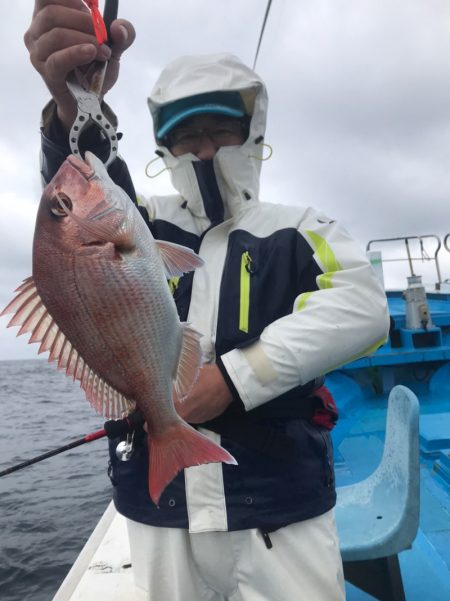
(244, 294)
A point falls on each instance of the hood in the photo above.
(236, 168)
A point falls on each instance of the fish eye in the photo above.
(60, 204)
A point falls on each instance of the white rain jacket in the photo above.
(284, 297)
(349, 308)
(338, 317)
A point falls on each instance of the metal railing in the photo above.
(446, 243)
(424, 256)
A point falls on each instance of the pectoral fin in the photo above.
(177, 259)
(189, 362)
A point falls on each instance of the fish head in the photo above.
(83, 210)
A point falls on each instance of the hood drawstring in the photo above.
(159, 157)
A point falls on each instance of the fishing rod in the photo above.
(109, 15)
(112, 429)
(261, 35)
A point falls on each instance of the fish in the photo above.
(99, 303)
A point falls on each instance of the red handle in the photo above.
(95, 435)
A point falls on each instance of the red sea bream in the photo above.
(99, 303)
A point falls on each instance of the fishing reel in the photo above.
(125, 448)
(112, 429)
(128, 426)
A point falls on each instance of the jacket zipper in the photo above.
(329, 468)
(173, 284)
(244, 307)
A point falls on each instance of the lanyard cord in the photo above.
(97, 21)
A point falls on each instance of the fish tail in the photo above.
(178, 447)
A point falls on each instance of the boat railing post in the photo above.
(409, 257)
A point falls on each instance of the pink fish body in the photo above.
(99, 302)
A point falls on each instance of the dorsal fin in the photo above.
(31, 314)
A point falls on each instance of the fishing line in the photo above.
(269, 3)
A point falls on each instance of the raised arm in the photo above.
(61, 38)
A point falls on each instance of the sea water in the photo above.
(47, 510)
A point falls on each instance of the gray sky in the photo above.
(359, 113)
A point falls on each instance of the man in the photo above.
(284, 297)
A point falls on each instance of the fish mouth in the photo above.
(86, 169)
(89, 167)
(94, 243)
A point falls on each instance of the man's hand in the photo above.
(61, 37)
(208, 399)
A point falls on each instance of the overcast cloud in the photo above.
(359, 115)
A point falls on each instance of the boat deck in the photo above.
(103, 565)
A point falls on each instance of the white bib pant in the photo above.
(304, 563)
